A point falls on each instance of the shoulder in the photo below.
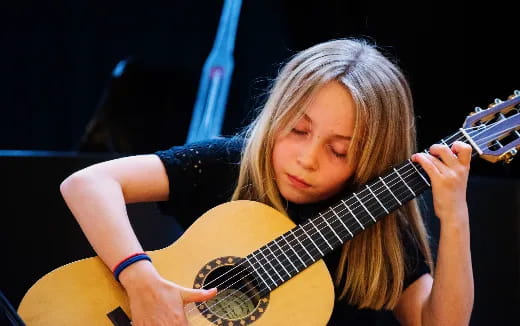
(222, 149)
(201, 175)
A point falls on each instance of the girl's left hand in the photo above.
(448, 169)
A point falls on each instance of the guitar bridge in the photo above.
(119, 317)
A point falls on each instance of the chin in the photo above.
(300, 198)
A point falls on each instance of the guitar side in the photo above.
(85, 291)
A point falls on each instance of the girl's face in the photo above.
(310, 162)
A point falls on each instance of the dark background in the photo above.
(57, 57)
(55, 72)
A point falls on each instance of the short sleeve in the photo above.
(201, 175)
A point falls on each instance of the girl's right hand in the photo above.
(155, 301)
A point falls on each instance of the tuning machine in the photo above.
(516, 93)
(476, 110)
(508, 156)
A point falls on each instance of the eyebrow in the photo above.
(306, 117)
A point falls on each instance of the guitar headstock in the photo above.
(495, 132)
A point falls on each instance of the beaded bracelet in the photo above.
(129, 261)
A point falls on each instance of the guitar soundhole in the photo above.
(239, 300)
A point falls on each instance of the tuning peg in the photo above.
(497, 101)
(477, 110)
(508, 156)
(516, 93)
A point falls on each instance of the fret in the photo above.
(388, 196)
(331, 228)
(359, 200)
(419, 173)
(297, 256)
(346, 227)
(412, 179)
(384, 183)
(353, 215)
(263, 265)
(271, 263)
(301, 244)
(319, 232)
(341, 220)
(259, 275)
(444, 142)
(280, 263)
(380, 203)
(312, 240)
(400, 177)
(283, 251)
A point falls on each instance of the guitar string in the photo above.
(275, 258)
(354, 207)
(478, 127)
(377, 189)
(279, 261)
(308, 262)
(282, 264)
(489, 137)
(276, 250)
(324, 217)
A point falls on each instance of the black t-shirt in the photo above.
(203, 175)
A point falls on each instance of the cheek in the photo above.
(277, 158)
(336, 176)
(281, 153)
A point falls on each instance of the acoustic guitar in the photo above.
(261, 262)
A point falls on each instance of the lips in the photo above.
(297, 182)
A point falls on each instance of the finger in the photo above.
(427, 163)
(463, 151)
(437, 162)
(193, 295)
(444, 153)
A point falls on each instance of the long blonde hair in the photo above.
(384, 129)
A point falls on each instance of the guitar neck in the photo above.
(292, 252)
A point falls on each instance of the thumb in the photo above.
(193, 295)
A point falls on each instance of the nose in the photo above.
(308, 156)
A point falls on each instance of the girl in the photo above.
(338, 115)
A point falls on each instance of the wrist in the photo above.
(457, 215)
(455, 227)
(129, 261)
(137, 274)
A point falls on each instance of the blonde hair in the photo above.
(384, 128)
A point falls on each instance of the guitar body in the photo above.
(84, 292)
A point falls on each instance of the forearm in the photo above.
(451, 298)
(98, 205)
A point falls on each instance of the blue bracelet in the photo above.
(129, 261)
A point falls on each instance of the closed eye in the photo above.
(337, 154)
(340, 155)
(298, 131)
